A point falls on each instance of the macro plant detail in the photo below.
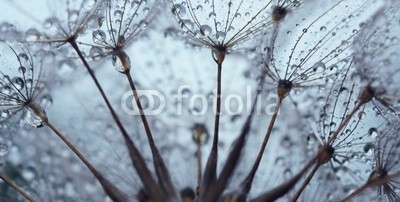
(304, 96)
(376, 57)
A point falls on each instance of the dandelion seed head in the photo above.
(68, 19)
(226, 23)
(304, 51)
(376, 55)
(20, 85)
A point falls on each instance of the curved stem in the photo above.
(112, 191)
(305, 183)
(199, 165)
(356, 192)
(210, 172)
(345, 122)
(160, 167)
(366, 95)
(137, 159)
(17, 188)
(247, 182)
(234, 155)
(286, 186)
(371, 184)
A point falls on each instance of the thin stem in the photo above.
(285, 187)
(305, 183)
(160, 167)
(199, 165)
(149, 183)
(233, 158)
(371, 184)
(17, 188)
(344, 122)
(356, 192)
(112, 191)
(366, 95)
(247, 182)
(210, 172)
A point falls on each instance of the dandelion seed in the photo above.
(222, 25)
(21, 94)
(387, 162)
(69, 19)
(386, 166)
(342, 142)
(313, 61)
(20, 89)
(376, 55)
(124, 22)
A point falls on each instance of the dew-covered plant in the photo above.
(303, 106)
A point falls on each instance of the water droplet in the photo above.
(286, 142)
(3, 149)
(279, 161)
(296, 3)
(134, 4)
(303, 76)
(22, 70)
(212, 15)
(49, 22)
(18, 83)
(29, 173)
(178, 9)
(143, 24)
(73, 15)
(118, 13)
(361, 115)
(319, 67)
(32, 34)
(99, 37)
(171, 32)
(5, 114)
(200, 133)
(287, 173)
(5, 90)
(66, 67)
(29, 83)
(220, 36)
(205, 30)
(46, 100)
(343, 90)
(186, 25)
(96, 53)
(373, 132)
(23, 57)
(369, 147)
(32, 119)
(121, 61)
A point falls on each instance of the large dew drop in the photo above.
(99, 37)
(32, 119)
(3, 149)
(96, 53)
(121, 61)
